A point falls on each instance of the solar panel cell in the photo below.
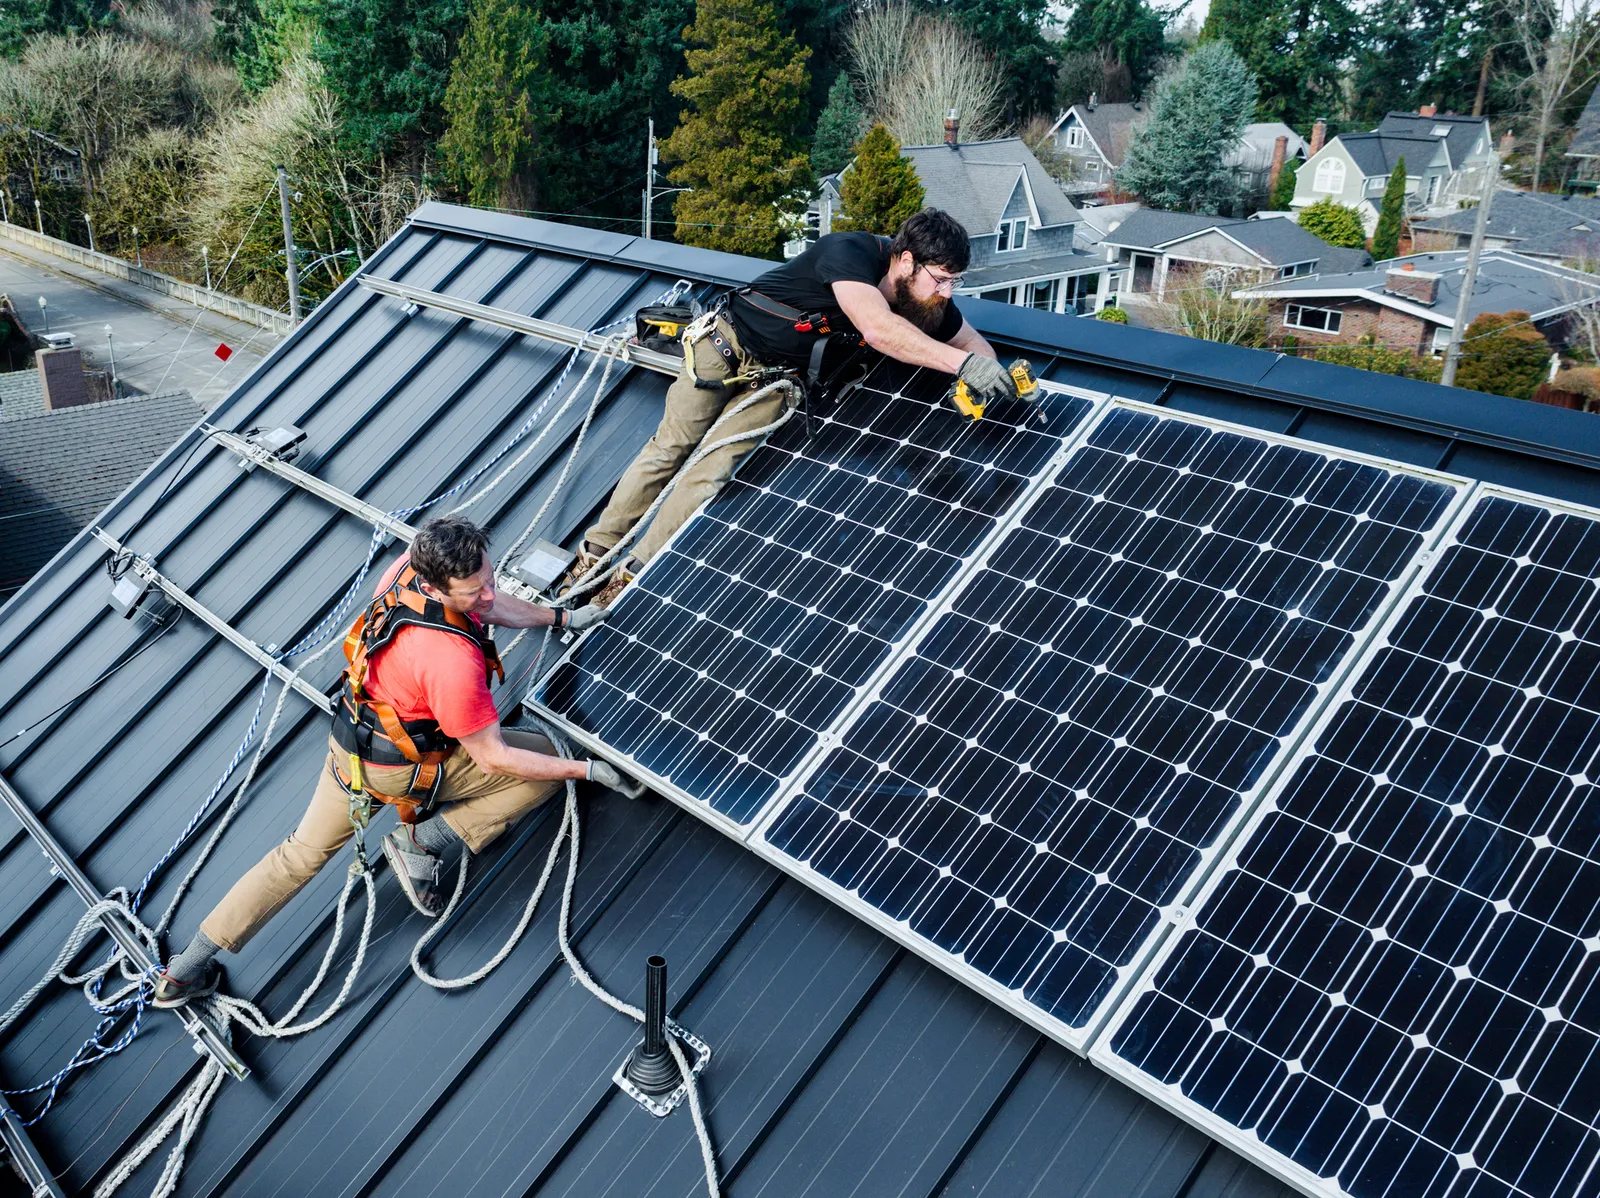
(1419, 903)
(761, 621)
(1045, 772)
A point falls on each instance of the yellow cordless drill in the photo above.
(1021, 372)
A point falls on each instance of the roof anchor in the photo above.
(650, 1076)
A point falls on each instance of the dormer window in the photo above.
(1441, 130)
(1013, 235)
(1075, 137)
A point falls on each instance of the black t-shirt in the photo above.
(806, 283)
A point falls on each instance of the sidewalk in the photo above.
(162, 343)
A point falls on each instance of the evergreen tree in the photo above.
(735, 144)
(1386, 239)
(498, 105)
(22, 20)
(1335, 224)
(881, 189)
(1397, 55)
(1282, 198)
(1296, 48)
(1124, 34)
(1503, 354)
(837, 129)
(1199, 112)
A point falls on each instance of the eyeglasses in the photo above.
(944, 283)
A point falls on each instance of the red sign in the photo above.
(222, 351)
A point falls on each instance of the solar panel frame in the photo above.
(1081, 1039)
(743, 831)
(1169, 1096)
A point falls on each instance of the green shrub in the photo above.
(1335, 224)
(1502, 354)
(1380, 360)
(1114, 314)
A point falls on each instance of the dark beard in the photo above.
(927, 315)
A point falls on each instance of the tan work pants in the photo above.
(690, 412)
(483, 806)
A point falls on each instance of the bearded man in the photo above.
(894, 293)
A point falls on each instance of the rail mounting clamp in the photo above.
(663, 1105)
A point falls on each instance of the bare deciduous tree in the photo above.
(1205, 307)
(1560, 39)
(914, 69)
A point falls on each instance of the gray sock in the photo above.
(192, 961)
(435, 835)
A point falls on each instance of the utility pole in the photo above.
(205, 256)
(649, 176)
(291, 269)
(89, 224)
(111, 351)
(1452, 353)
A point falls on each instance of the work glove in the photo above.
(612, 778)
(586, 617)
(990, 382)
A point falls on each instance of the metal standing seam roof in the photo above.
(843, 1065)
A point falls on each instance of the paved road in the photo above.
(162, 344)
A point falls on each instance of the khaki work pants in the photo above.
(483, 806)
(690, 412)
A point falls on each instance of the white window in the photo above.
(1043, 295)
(1074, 137)
(1299, 268)
(1013, 234)
(1433, 188)
(1441, 131)
(1000, 295)
(1317, 320)
(1330, 176)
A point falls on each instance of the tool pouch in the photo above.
(660, 327)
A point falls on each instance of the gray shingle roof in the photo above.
(58, 469)
(21, 394)
(1377, 153)
(1547, 225)
(1506, 282)
(1112, 126)
(973, 182)
(1586, 141)
(1278, 242)
(1464, 131)
(1032, 268)
(1254, 151)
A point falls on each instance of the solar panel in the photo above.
(1388, 987)
(1043, 776)
(769, 612)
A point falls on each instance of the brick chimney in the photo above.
(1407, 282)
(1428, 110)
(1319, 136)
(1508, 143)
(1094, 101)
(61, 376)
(1280, 151)
(952, 127)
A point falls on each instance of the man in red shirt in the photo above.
(420, 669)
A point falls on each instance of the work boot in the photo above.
(172, 993)
(417, 871)
(587, 556)
(616, 584)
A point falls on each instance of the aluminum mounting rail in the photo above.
(668, 364)
(269, 461)
(24, 1156)
(208, 1039)
(217, 624)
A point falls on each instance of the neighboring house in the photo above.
(1161, 248)
(1094, 138)
(33, 165)
(1255, 162)
(58, 468)
(1021, 224)
(1583, 155)
(1095, 224)
(1409, 304)
(1555, 228)
(1445, 157)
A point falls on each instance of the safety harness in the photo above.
(368, 731)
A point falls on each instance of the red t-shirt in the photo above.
(424, 673)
